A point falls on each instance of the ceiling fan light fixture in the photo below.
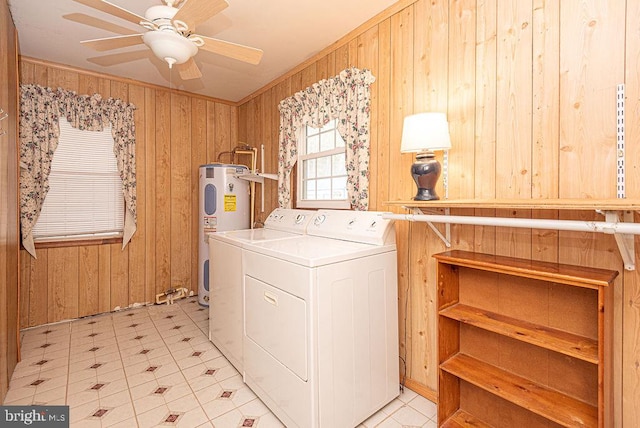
(180, 26)
(170, 34)
(169, 46)
(196, 40)
(160, 14)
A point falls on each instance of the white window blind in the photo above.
(85, 191)
(322, 173)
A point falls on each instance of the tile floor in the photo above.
(154, 366)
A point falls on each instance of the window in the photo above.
(85, 190)
(322, 173)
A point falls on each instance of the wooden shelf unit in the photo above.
(523, 343)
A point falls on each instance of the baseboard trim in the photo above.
(421, 389)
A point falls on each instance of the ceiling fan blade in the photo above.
(112, 9)
(194, 12)
(98, 23)
(108, 43)
(189, 70)
(231, 50)
(120, 57)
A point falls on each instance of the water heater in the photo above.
(223, 205)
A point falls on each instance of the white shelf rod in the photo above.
(620, 230)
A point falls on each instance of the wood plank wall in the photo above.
(529, 89)
(175, 133)
(530, 92)
(9, 246)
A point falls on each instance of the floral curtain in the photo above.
(40, 110)
(346, 97)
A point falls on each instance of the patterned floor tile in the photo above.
(154, 366)
(160, 392)
(424, 406)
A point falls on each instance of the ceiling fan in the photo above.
(170, 34)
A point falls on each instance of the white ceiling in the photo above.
(288, 31)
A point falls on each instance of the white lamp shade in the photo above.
(425, 131)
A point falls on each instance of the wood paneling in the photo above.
(9, 246)
(545, 121)
(89, 281)
(529, 90)
(592, 63)
(173, 137)
(180, 205)
(150, 194)
(198, 157)
(368, 54)
(62, 272)
(631, 285)
(513, 110)
(137, 254)
(383, 84)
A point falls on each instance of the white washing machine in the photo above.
(321, 320)
(226, 276)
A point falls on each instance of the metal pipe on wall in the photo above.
(527, 223)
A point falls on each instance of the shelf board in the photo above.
(580, 347)
(462, 419)
(534, 397)
(531, 204)
(256, 177)
(580, 276)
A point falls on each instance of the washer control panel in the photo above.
(292, 220)
(358, 226)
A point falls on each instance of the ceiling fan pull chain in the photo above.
(170, 76)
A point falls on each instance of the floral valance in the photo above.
(346, 97)
(40, 110)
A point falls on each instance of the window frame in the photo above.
(300, 173)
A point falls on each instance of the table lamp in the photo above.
(423, 133)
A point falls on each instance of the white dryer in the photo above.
(321, 320)
(226, 276)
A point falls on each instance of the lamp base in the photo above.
(425, 172)
(426, 195)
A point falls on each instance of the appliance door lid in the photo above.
(314, 251)
(277, 321)
(241, 236)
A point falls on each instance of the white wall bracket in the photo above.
(625, 241)
(446, 238)
(257, 177)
